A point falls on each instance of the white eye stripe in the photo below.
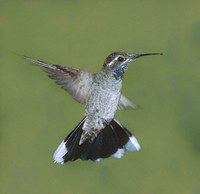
(113, 61)
(116, 59)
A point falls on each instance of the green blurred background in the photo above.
(36, 114)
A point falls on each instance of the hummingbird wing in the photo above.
(125, 103)
(75, 81)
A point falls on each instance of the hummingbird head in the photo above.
(118, 62)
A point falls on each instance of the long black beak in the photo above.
(142, 55)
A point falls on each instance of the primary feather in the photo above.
(75, 81)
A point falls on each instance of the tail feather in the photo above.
(113, 140)
(72, 144)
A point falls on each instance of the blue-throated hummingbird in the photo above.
(99, 135)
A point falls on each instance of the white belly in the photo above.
(102, 104)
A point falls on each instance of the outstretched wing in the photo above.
(125, 103)
(76, 82)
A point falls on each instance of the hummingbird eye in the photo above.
(120, 59)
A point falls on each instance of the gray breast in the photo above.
(104, 99)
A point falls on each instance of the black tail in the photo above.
(113, 140)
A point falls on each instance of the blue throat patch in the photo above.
(119, 73)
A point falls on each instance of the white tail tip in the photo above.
(59, 153)
(132, 144)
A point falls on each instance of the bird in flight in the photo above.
(99, 135)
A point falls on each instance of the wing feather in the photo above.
(125, 103)
(75, 81)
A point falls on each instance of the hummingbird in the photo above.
(99, 135)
